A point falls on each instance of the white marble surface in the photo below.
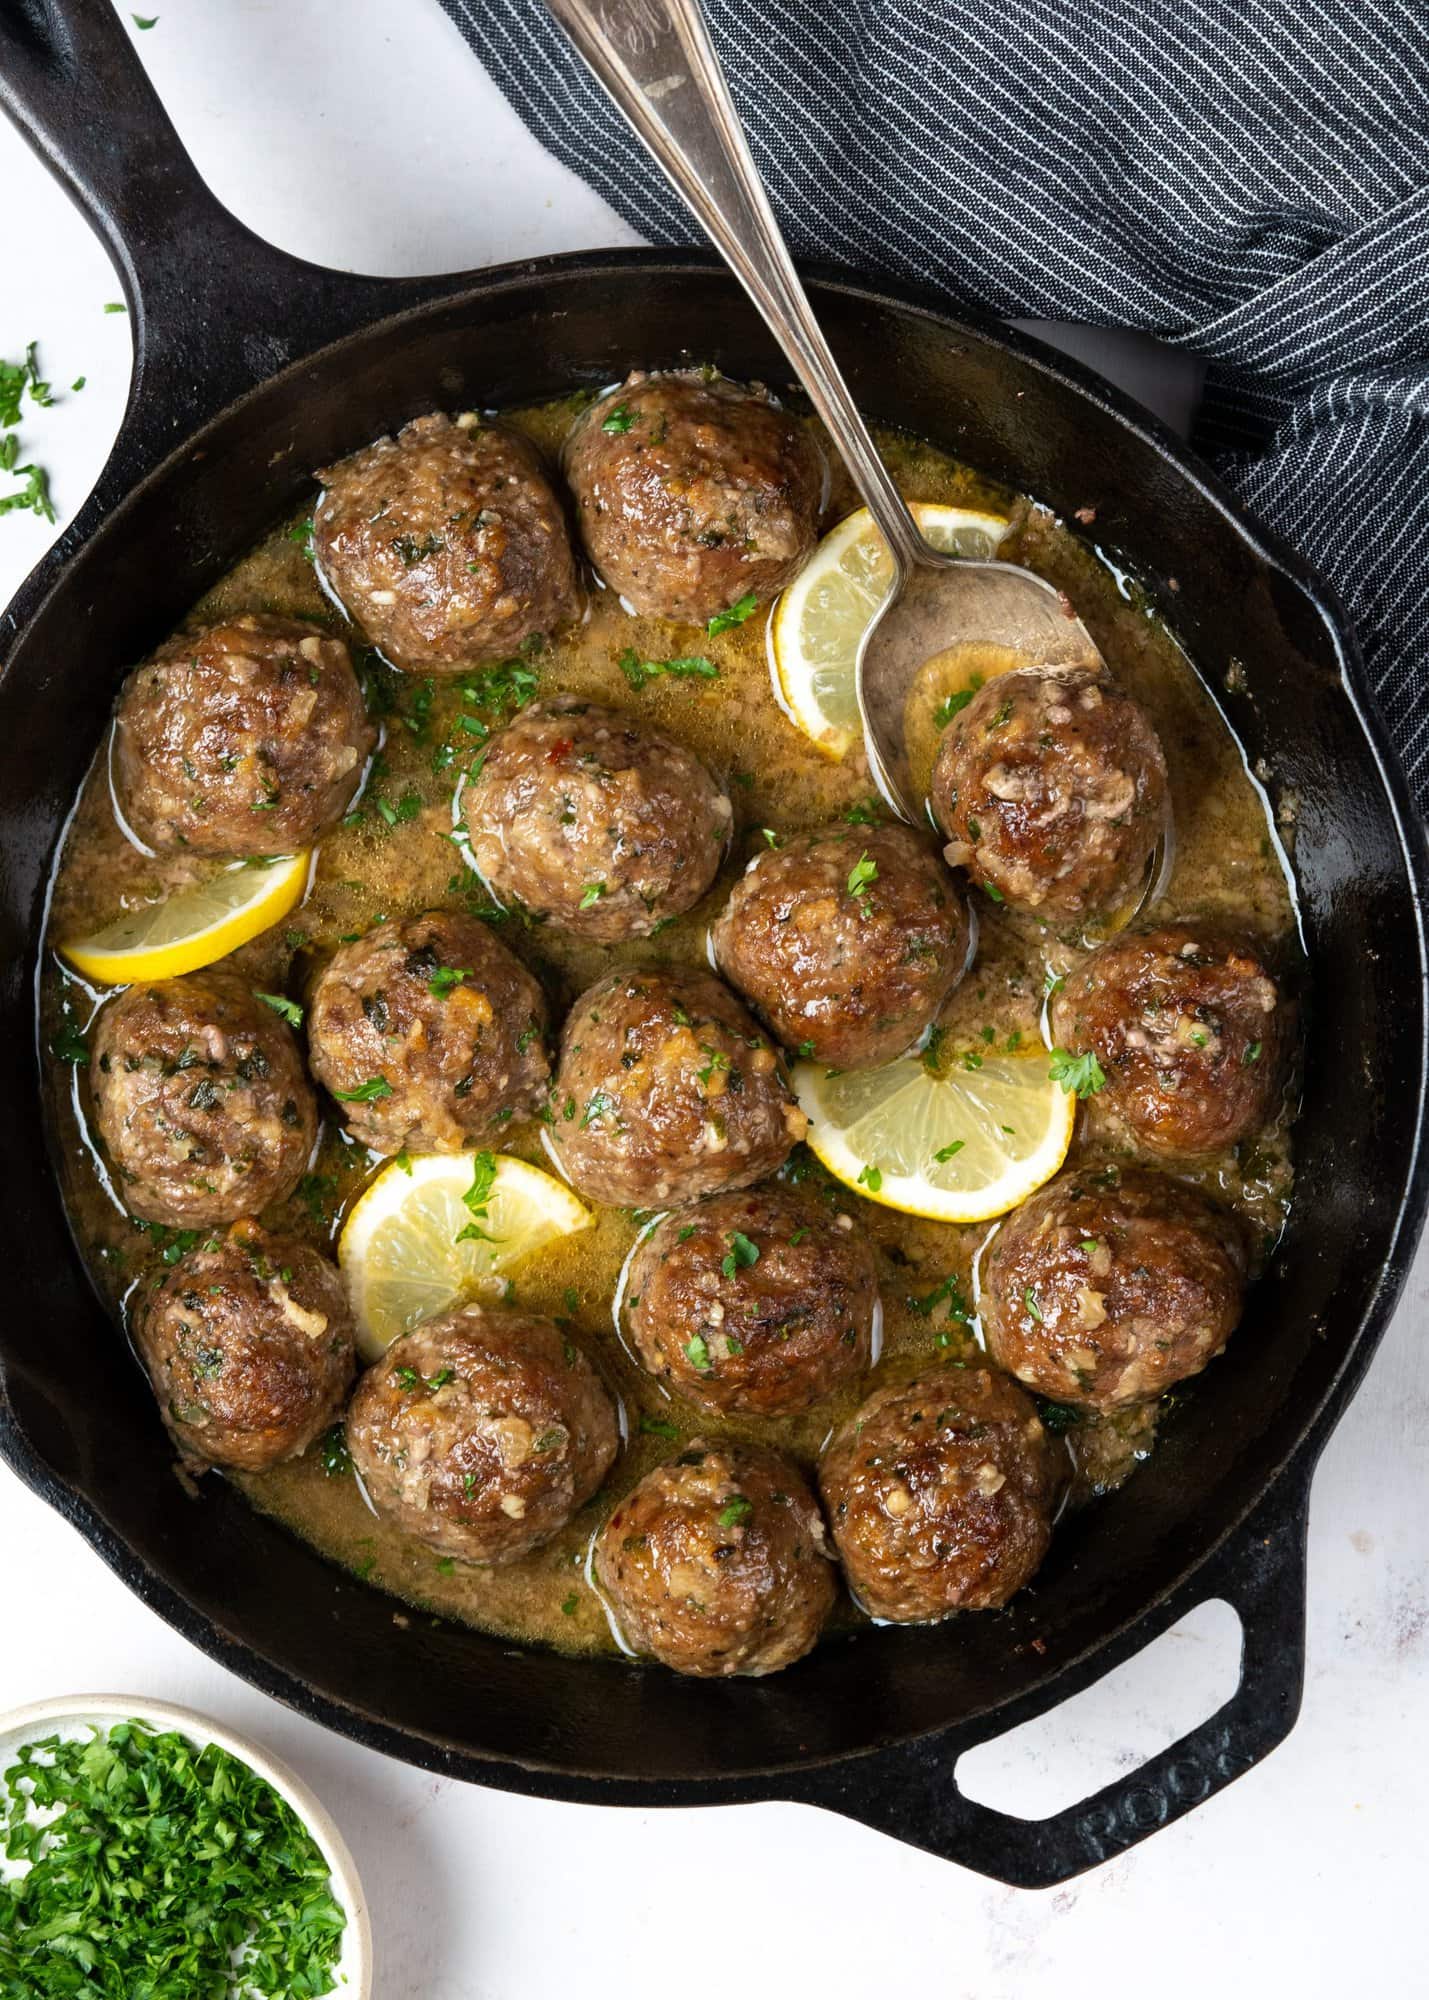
(359, 132)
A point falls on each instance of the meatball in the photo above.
(447, 544)
(481, 1432)
(1051, 787)
(429, 1034)
(666, 1091)
(759, 1301)
(1109, 1286)
(248, 737)
(693, 492)
(717, 1563)
(594, 822)
(1190, 1029)
(249, 1343)
(940, 1494)
(200, 1099)
(848, 941)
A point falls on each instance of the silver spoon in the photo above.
(655, 59)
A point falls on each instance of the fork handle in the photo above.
(655, 59)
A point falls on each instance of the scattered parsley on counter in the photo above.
(169, 1871)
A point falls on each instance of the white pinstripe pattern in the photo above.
(1247, 178)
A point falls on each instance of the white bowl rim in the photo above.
(36, 1719)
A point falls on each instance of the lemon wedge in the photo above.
(194, 926)
(963, 1146)
(442, 1227)
(817, 624)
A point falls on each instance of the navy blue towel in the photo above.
(1248, 179)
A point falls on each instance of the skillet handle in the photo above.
(912, 1792)
(215, 309)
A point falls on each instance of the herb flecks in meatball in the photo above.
(667, 1090)
(1190, 1028)
(201, 1099)
(1111, 1285)
(247, 737)
(847, 940)
(601, 825)
(940, 1494)
(759, 1301)
(249, 1343)
(717, 1563)
(429, 1034)
(481, 1432)
(693, 493)
(1051, 787)
(447, 544)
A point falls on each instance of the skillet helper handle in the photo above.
(912, 1792)
(656, 61)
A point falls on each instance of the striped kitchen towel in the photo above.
(1248, 179)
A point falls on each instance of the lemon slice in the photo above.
(193, 927)
(403, 1251)
(959, 1147)
(819, 620)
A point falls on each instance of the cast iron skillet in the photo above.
(250, 369)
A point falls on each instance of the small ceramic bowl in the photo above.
(70, 1713)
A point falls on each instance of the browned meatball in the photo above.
(481, 1432)
(758, 1300)
(249, 1345)
(667, 1090)
(248, 737)
(1190, 1030)
(718, 1562)
(1051, 787)
(200, 1099)
(602, 826)
(447, 544)
(429, 1034)
(940, 1494)
(1112, 1284)
(693, 492)
(847, 941)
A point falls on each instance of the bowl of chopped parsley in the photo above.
(146, 1850)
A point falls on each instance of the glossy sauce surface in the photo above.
(396, 855)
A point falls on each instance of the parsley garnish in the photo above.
(365, 1093)
(871, 1178)
(1080, 1073)
(591, 895)
(741, 1254)
(861, 874)
(697, 1353)
(954, 705)
(640, 673)
(945, 1153)
(618, 422)
(445, 980)
(736, 615)
(736, 1512)
(291, 1012)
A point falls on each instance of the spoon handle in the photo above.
(656, 60)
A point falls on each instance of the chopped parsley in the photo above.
(639, 673)
(446, 979)
(954, 705)
(366, 1093)
(736, 1512)
(158, 1868)
(861, 874)
(740, 1255)
(1080, 1073)
(722, 621)
(871, 1178)
(618, 422)
(946, 1153)
(1029, 1299)
(697, 1353)
(591, 895)
(483, 1180)
(333, 1454)
(658, 1427)
(291, 1012)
